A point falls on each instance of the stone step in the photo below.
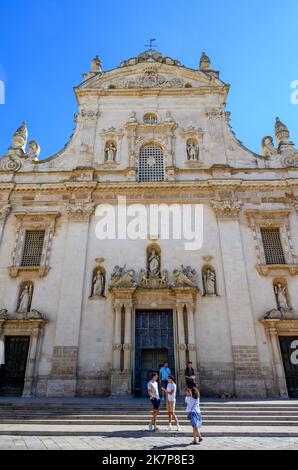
(163, 414)
(146, 419)
(141, 431)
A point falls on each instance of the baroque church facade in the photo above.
(81, 316)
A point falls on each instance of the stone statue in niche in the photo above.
(209, 281)
(110, 152)
(98, 283)
(192, 151)
(154, 263)
(25, 298)
(281, 299)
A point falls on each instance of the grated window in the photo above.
(151, 165)
(33, 246)
(150, 118)
(272, 246)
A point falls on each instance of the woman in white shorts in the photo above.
(171, 402)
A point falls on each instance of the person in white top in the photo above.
(171, 402)
(152, 389)
(192, 400)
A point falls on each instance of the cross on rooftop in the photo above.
(151, 45)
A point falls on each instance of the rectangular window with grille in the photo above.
(33, 246)
(272, 246)
(151, 164)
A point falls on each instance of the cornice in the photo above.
(236, 185)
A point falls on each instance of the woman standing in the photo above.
(171, 402)
(192, 400)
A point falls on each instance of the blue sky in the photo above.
(46, 45)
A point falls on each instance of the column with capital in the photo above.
(181, 346)
(191, 334)
(29, 377)
(127, 346)
(117, 346)
(280, 375)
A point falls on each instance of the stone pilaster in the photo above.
(65, 355)
(29, 378)
(248, 376)
(117, 346)
(4, 212)
(191, 334)
(127, 346)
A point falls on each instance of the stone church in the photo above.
(85, 316)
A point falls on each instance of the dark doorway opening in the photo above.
(12, 373)
(289, 348)
(154, 345)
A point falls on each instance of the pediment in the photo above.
(152, 76)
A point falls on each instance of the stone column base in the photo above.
(246, 388)
(121, 382)
(61, 387)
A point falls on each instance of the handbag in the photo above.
(189, 413)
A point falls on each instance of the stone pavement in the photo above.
(144, 443)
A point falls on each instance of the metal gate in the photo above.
(154, 344)
(12, 373)
(289, 350)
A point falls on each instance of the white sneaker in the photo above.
(178, 427)
(169, 428)
(150, 427)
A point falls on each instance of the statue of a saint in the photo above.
(154, 263)
(98, 284)
(25, 299)
(209, 280)
(111, 150)
(192, 152)
(280, 292)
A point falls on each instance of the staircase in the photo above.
(92, 416)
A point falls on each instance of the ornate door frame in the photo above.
(127, 301)
(273, 329)
(34, 329)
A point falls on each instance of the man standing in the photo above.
(164, 378)
(152, 388)
(190, 377)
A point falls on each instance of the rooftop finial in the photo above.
(205, 63)
(281, 131)
(96, 65)
(20, 136)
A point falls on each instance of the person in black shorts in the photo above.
(152, 388)
(190, 377)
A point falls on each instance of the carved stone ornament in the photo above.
(9, 163)
(33, 150)
(122, 277)
(90, 114)
(279, 314)
(149, 79)
(4, 211)
(80, 212)
(3, 314)
(226, 208)
(152, 280)
(20, 136)
(184, 277)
